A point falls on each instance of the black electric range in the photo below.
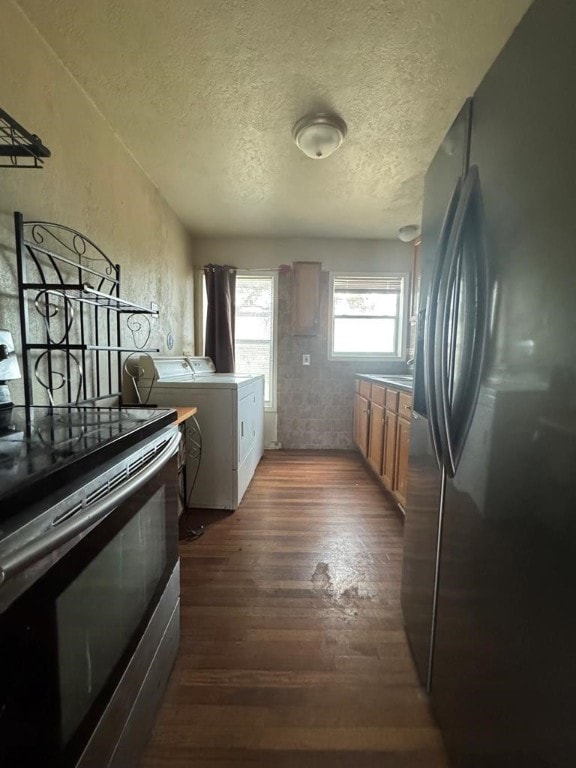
(44, 448)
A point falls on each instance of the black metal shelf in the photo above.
(87, 294)
(21, 148)
(87, 348)
(72, 343)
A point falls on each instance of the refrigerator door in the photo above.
(504, 671)
(441, 195)
(459, 341)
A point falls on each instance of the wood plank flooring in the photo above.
(293, 652)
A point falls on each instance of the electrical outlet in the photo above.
(305, 359)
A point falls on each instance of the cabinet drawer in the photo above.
(405, 405)
(378, 395)
(365, 389)
(392, 400)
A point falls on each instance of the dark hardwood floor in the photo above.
(292, 648)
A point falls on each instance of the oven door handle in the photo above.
(85, 518)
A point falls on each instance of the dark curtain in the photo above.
(221, 291)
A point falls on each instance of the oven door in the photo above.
(66, 642)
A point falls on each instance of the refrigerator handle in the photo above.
(431, 358)
(482, 311)
(454, 427)
(443, 342)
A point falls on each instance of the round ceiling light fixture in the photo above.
(408, 233)
(319, 135)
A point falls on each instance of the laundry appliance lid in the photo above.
(164, 368)
(156, 370)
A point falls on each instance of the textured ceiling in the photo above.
(204, 94)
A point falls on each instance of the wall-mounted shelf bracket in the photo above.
(18, 148)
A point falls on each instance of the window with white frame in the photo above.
(255, 329)
(367, 316)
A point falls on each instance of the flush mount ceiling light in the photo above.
(408, 233)
(319, 135)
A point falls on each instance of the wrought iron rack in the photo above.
(70, 317)
(18, 148)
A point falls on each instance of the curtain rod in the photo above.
(281, 268)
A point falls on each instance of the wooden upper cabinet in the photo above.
(306, 298)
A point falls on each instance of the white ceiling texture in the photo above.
(204, 94)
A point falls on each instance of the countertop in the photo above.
(184, 412)
(404, 383)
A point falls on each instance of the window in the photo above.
(255, 331)
(367, 316)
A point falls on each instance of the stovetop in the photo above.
(42, 448)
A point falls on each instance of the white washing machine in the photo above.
(230, 416)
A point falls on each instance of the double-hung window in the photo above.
(367, 316)
(255, 329)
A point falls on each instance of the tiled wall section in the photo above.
(315, 402)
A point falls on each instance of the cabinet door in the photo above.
(376, 440)
(389, 459)
(356, 419)
(361, 422)
(306, 298)
(402, 454)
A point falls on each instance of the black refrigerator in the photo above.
(427, 477)
(490, 531)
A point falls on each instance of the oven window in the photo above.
(98, 613)
(66, 642)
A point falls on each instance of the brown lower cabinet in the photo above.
(382, 433)
(361, 422)
(402, 456)
(362, 398)
(375, 439)
(389, 463)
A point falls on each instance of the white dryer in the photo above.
(231, 418)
